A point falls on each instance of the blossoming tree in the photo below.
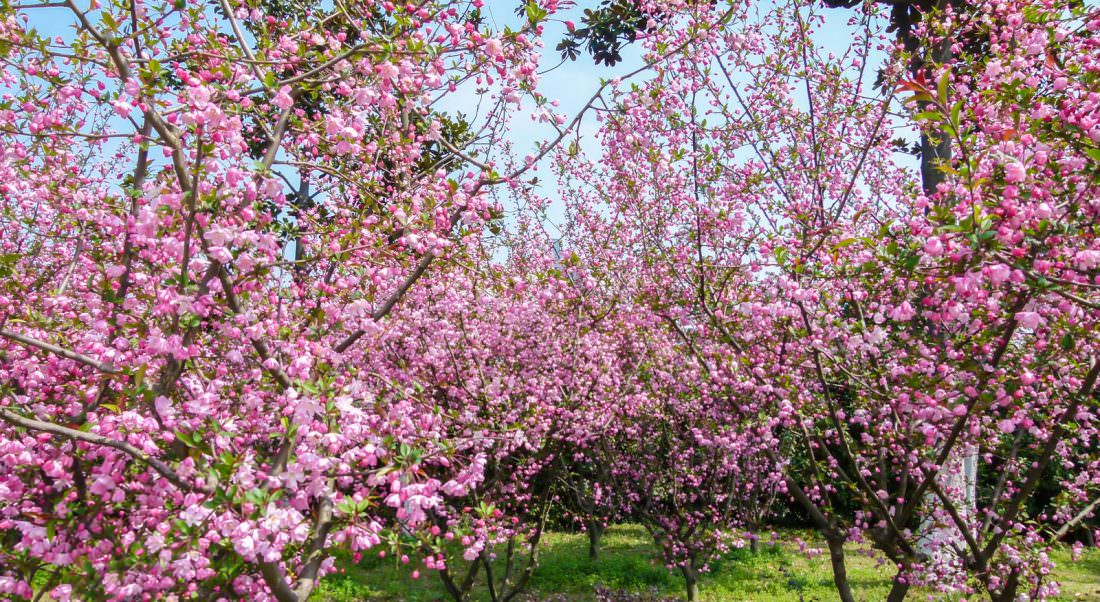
(207, 211)
(882, 329)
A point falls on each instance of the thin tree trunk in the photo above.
(900, 588)
(460, 592)
(826, 528)
(840, 573)
(691, 580)
(1008, 592)
(595, 534)
(935, 149)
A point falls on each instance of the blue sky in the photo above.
(572, 83)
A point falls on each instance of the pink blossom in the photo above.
(1029, 319)
(933, 247)
(282, 99)
(1015, 172)
(493, 48)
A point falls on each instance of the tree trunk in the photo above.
(460, 592)
(932, 154)
(899, 589)
(1008, 591)
(936, 149)
(595, 534)
(840, 573)
(691, 580)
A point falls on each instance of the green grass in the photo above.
(628, 561)
(1080, 579)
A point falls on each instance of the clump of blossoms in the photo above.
(516, 384)
(684, 458)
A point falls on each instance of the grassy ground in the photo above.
(629, 562)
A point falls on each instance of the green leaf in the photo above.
(187, 438)
(139, 376)
(928, 116)
(956, 111)
(920, 97)
(256, 496)
(348, 506)
(535, 13)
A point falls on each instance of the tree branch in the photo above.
(59, 351)
(62, 431)
(1039, 466)
(391, 301)
(1080, 517)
